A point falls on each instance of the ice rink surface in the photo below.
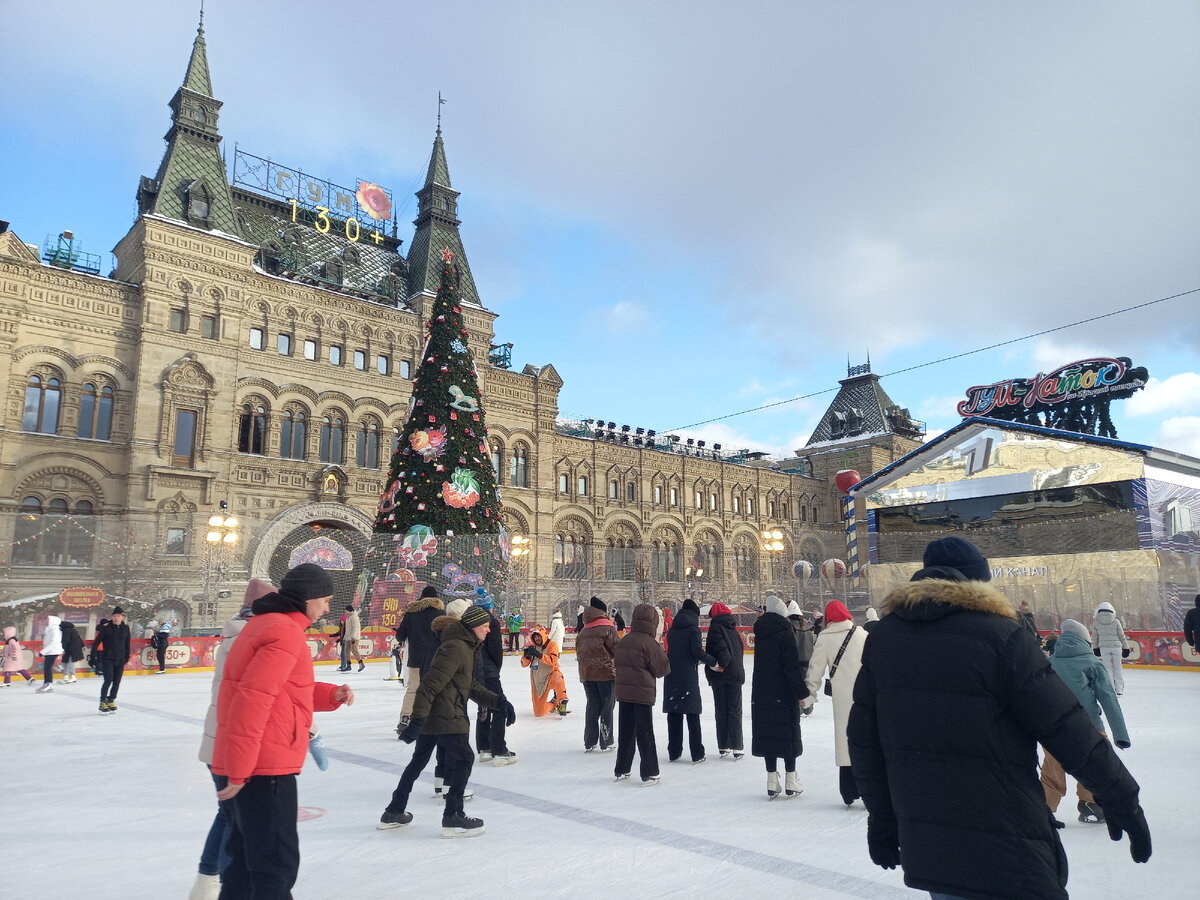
(116, 805)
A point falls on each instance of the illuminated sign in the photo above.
(1074, 397)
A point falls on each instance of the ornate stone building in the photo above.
(254, 352)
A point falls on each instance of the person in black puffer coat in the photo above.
(72, 652)
(416, 628)
(490, 725)
(776, 691)
(725, 645)
(681, 687)
(952, 699)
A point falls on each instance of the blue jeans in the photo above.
(214, 858)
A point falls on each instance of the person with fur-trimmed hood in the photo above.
(950, 704)
(595, 651)
(777, 691)
(415, 629)
(546, 683)
(724, 644)
(640, 661)
(681, 687)
(839, 650)
(1110, 644)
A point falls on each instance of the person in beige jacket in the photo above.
(839, 631)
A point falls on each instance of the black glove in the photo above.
(883, 842)
(528, 652)
(413, 730)
(1133, 824)
(510, 714)
(1125, 653)
(1096, 651)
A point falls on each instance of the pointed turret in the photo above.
(437, 230)
(191, 184)
(863, 409)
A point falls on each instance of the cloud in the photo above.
(1178, 394)
(624, 317)
(1181, 434)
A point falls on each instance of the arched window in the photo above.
(28, 525)
(706, 560)
(571, 556)
(332, 439)
(497, 459)
(745, 561)
(43, 397)
(664, 560)
(737, 504)
(619, 559)
(292, 433)
(95, 413)
(368, 445)
(518, 466)
(252, 429)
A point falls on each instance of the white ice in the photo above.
(107, 805)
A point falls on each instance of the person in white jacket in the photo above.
(1109, 643)
(557, 630)
(51, 650)
(839, 631)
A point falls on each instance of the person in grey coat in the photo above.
(1110, 644)
(681, 687)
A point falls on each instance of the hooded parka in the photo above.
(685, 650)
(450, 681)
(776, 688)
(640, 660)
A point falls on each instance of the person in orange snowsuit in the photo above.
(546, 680)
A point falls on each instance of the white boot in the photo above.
(437, 787)
(772, 785)
(792, 785)
(207, 887)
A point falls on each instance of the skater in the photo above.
(638, 662)
(1025, 617)
(51, 649)
(595, 649)
(1110, 644)
(618, 622)
(726, 678)
(14, 657)
(415, 629)
(1089, 681)
(777, 691)
(111, 647)
(838, 650)
(872, 620)
(160, 640)
(439, 719)
(558, 631)
(546, 682)
(72, 652)
(949, 706)
(264, 715)
(351, 635)
(1191, 626)
(215, 856)
(395, 660)
(490, 725)
(514, 630)
(681, 688)
(805, 639)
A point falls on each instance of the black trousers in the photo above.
(727, 698)
(264, 848)
(48, 668)
(675, 735)
(598, 716)
(789, 763)
(635, 725)
(113, 672)
(455, 750)
(490, 725)
(162, 658)
(514, 641)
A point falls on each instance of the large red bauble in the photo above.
(846, 479)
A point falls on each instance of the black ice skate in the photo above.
(460, 825)
(390, 819)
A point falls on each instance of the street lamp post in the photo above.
(222, 534)
(772, 539)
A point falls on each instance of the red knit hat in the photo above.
(719, 609)
(835, 611)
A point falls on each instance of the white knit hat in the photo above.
(1070, 626)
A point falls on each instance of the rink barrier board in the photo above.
(1163, 650)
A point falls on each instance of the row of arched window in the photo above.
(515, 459)
(54, 535)
(44, 401)
(666, 563)
(332, 436)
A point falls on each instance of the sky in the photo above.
(697, 208)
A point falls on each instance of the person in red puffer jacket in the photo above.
(264, 713)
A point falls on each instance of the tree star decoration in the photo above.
(447, 255)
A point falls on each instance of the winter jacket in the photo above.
(1107, 633)
(229, 632)
(450, 680)
(113, 641)
(640, 659)
(415, 628)
(776, 689)
(595, 646)
(685, 649)
(14, 653)
(72, 643)
(52, 637)
(267, 696)
(724, 644)
(514, 623)
(829, 642)
(1191, 624)
(490, 653)
(805, 641)
(950, 704)
(1088, 679)
(353, 630)
(558, 631)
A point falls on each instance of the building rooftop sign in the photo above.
(1074, 397)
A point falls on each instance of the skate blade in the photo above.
(461, 832)
(388, 826)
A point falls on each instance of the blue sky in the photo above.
(695, 208)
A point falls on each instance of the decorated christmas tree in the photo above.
(439, 518)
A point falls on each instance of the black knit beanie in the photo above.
(955, 553)
(428, 591)
(307, 581)
(599, 604)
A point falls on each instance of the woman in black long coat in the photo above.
(776, 690)
(726, 680)
(681, 688)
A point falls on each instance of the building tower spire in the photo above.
(191, 184)
(437, 228)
